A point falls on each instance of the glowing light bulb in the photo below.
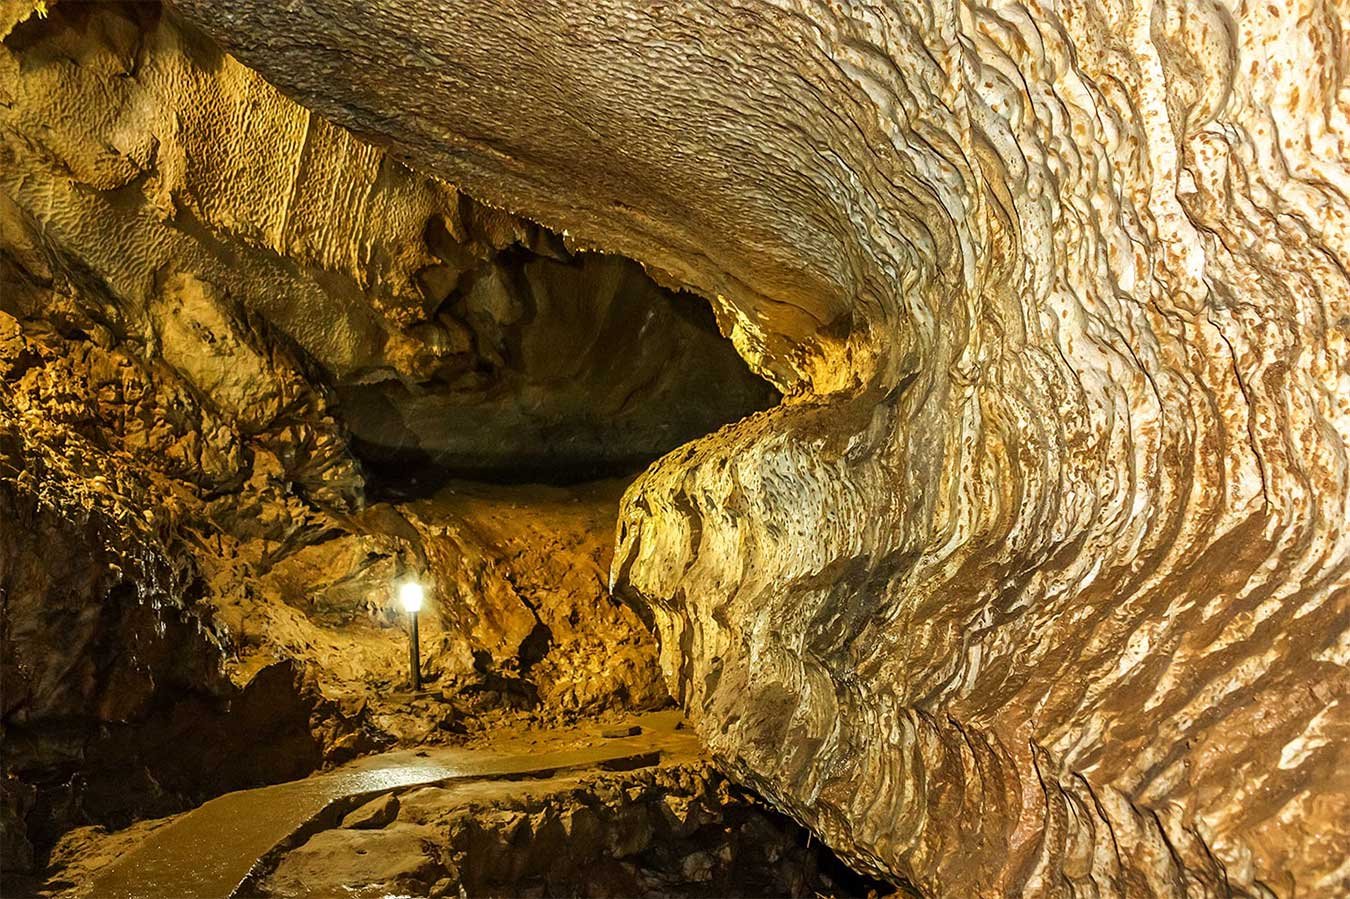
(410, 594)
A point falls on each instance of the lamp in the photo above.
(410, 596)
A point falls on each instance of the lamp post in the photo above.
(410, 595)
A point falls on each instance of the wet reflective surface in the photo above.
(208, 852)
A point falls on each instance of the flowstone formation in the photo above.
(247, 362)
(1038, 582)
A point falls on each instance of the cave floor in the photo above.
(213, 850)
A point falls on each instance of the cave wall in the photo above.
(1039, 582)
(192, 269)
(104, 661)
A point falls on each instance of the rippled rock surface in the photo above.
(1037, 583)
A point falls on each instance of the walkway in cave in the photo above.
(215, 850)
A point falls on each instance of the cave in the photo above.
(549, 369)
(615, 448)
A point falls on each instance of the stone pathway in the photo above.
(210, 852)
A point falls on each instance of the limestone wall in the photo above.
(1039, 583)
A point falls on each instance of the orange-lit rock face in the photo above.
(243, 358)
(1038, 583)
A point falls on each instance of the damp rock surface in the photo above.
(1037, 583)
(673, 829)
(560, 811)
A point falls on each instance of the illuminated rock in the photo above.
(1037, 582)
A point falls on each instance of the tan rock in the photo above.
(374, 814)
(1038, 581)
(395, 858)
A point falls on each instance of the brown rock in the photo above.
(1045, 559)
(16, 801)
(349, 746)
(374, 814)
(1036, 582)
(632, 830)
(698, 867)
(343, 860)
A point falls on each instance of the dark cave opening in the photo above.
(554, 368)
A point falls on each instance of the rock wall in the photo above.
(105, 662)
(1039, 582)
(224, 323)
(551, 368)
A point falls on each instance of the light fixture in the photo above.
(410, 596)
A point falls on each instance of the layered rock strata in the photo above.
(1039, 581)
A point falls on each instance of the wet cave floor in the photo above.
(542, 757)
(632, 808)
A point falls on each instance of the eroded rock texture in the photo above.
(243, 356)
(552, 369)
(1039, 582)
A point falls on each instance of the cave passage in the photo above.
(231, 429)
(1036, 583)
(546, 367)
